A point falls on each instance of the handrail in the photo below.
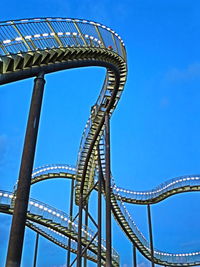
(140, 197)
(31, 34)
(38, 208)
(187, 183)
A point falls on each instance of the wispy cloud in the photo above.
(4, 226)
(191, 244)
(63, 265)
(191, 72)
(143, 264)
(3, 148)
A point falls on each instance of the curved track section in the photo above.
(56, 221)
(124, 219)
(58, 239)
(187, 183)
(29, 47)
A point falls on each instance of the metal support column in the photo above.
(100, 178)
(36, 250)
(108, 192)
(150, 234)
(134, 256)
(22, 196)
(83, 251)
(71, 218)
(86, 224)
(79, 245)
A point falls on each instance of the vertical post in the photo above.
(99, 211)
(108, 191)
(100, 36)
(86, 224)
(79, 245)
(22, 196)
(36, 250)
(150, 234)
(134, 256)
(71, 217)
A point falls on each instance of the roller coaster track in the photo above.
(55, 221)
(174, 186)
(45, 45)
(171, 187)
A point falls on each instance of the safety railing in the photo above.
(170, 185)
(60, 238)
(172, 258)
(52, 168)
(54, 216)
(21, 36)
(96, 108)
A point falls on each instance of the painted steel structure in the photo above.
(34, 48)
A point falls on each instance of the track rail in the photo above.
(190, 183)
(182, 184)
(56, 220)
(58, 239)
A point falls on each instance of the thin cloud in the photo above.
(63, 265)
(191, 244)
(190, 73)
(143, 264)
(3, 148)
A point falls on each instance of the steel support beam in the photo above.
(22, 196)
(83, 251)
(86, 224)
(90, 191)
(80, 216)
(79, 245)
(71, 218)
(108, 193)
(36, 250)
(134, 256)
(75, 217)
(100, 178)
(150, 235)
(91, 218)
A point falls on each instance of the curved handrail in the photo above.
(186, 183)
(57, 220)
(25, 35)
(67, 43)
(58, 239)
(171, 187)
(54, 216)
(168, 188)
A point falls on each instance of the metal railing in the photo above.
(22, 36)
(170, 186)
(58, 238)
(54, 216)
(119, 193)
(172, 258)
(149, 195)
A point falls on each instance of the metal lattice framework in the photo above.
(36, 47)
(53, 222)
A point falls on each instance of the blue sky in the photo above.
(154, 131)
